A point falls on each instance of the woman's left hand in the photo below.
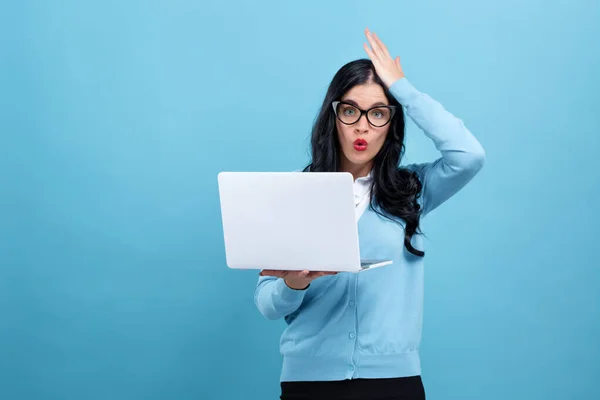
(388, 69)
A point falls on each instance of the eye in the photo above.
(349, 111)
(379, 113)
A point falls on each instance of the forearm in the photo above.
(274, 299)
(460, 149)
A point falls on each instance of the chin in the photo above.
(360, 159)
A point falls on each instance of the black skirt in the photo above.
(406, 388)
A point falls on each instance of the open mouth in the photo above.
(360, 145)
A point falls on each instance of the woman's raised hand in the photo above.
(388, 69)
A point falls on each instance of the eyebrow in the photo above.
(379, 103)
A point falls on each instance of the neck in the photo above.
(357, 170)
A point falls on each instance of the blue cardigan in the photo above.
(368, 325)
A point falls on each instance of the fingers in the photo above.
(282, 274)
(382, 46)
(295, 274)
(398, 62)
(379, 49)
(272, 272)
(370, 53)
(375, 50)
(318, 274)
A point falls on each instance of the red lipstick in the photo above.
(360, 145)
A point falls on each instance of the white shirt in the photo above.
(362, 194)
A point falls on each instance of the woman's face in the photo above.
(361, 141)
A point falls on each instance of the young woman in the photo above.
(357, 336)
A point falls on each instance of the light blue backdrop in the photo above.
(117, 116)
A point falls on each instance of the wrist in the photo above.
(296, 287)
(395, 80)
(404, 92)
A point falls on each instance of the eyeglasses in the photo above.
(350, 114)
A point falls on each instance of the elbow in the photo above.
(270, 314)
(479, 158)
(475, 159)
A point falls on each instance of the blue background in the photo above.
(117, 116)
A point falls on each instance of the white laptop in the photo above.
(291, 221)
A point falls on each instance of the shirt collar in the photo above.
(367, 178)
(361, 186)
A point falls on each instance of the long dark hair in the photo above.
(395, 190)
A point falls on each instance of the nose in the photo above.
(362, 125)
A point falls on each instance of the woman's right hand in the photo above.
(297, 280)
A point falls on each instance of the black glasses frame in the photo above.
(363, 112)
